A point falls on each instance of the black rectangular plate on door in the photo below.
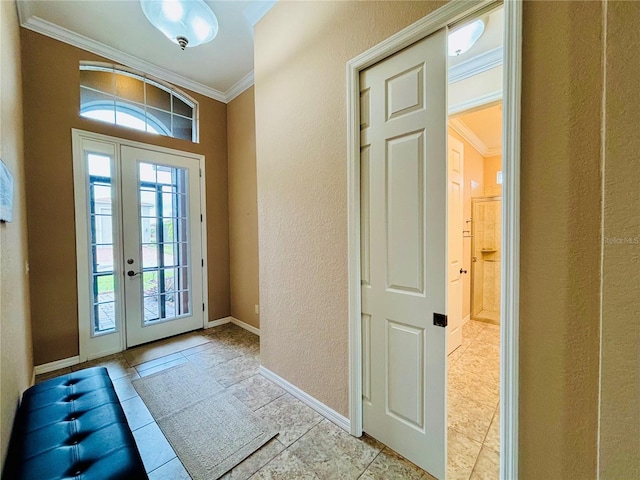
(439, 320)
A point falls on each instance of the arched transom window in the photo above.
(116, 95)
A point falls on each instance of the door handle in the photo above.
(131, 273)
(462, 271)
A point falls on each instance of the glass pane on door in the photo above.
(102, 246)
(164, 236)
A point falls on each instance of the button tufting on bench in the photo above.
(97, 445)
(72, 397)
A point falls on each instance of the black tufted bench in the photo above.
(73, 427)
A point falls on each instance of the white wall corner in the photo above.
(307, 399)
(239, 87)
(466, 319)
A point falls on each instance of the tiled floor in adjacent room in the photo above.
(473, 397)
(308, 446)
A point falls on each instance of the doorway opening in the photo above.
(474, 252)
(140, 243)
(506, 335)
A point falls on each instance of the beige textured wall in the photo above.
(560, 239)
(620, 388)
(473, 172)
(51, 110)
(301, 49)
(243, 208)
(492, 165)
(16, 362)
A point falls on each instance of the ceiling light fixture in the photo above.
(465, 37)
(188, 23)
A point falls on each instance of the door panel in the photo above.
(162, 244)
(99, 254)
(455, 247)
(403, 198)
(405, 213)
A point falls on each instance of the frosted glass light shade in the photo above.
(463, 39)
(188, 23)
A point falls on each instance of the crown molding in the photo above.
(493, 152)
(240, 86)
(469, 135)
(64, 35)
(475, 103)
(478, 64)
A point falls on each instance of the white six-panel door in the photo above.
(403, 223)
(455, 182)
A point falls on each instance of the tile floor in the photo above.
(473, 397)
(309, 446)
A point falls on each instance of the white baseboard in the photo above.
(246, 326)
(466, 319)
(307, 399)
(235, 321)
(51, 366)
(217, 323)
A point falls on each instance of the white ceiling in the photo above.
(481, 128)
(221, 69)
(119, 30)
(491, 38)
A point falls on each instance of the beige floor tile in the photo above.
(116, 365)
(492, 439)
(471, 386)
(173, 470)
(123, 387)
(285, 467)
(332, 453)
(154, 448)
(472, 329)
(137, 413)
(158, 361)
(456, 354)
(468, 416)
(481, 368)
(255, 461)
(163, 366)
(151, 351)
(388, 465)
(213, 354)
(235, 370)
(256, 391)
(462, 455)
(487, 466)
(292, 418)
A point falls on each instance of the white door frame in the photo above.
(510, 273)
(82, 243)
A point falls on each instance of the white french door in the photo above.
(403, 251)
(140, 243)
